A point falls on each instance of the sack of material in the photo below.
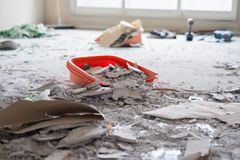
(124, 34)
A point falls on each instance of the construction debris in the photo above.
(231, 119)
(195, 109)
(197, 149)
(81, 136)
(8, 45)
(123, 34)
(125, 135)
(29, 116)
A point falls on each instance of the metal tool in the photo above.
(189, 34)
(226, 35)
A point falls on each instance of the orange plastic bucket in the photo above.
(81, 77)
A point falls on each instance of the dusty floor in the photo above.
(188, 65)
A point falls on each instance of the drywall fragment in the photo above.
(231, 119)
(105, 153)
(45, 87)
(195, 109)
(197, 149)
(73, 119)
(60, 155)
(125, 135)
(126, 93)
(81, 136)
(23, 112)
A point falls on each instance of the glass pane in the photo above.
(100, 3)
(152, 4)
(207, 5)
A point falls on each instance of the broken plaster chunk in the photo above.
(195, 109)
(124, 135)
(81, 136)
(197, 149)
(231, 119)
(126, 93)
(226, 97)
(60, 155)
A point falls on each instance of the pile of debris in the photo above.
(55, 121)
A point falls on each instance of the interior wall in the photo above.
(95, 22)
(16, 12)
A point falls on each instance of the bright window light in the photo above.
(152, 4)
(100, 3)
(207, 5)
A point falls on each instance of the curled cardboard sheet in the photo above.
(23, 112)
(123, 34)
(57, 121)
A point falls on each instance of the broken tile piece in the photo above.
(60, 155)
(81, 136)
(231, 119)
(195, 109)
(197, 149)
(124, 135)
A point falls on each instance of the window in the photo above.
(199, 9)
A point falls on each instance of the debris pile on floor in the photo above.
(25, 31)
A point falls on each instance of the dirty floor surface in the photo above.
(188, 65)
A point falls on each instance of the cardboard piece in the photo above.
(195, 109)
(123, 34)
(23, 112)
(197, 149)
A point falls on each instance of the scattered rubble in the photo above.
(71, 128)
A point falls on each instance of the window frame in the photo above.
(145, 13)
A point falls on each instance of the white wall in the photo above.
(16, 12)
(149, 24)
